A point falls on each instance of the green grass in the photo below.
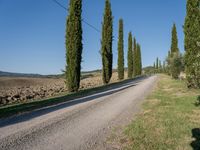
(170, 120)
(13, 109)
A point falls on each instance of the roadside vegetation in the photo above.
(170, 119)
(187, 63)
(171, 115)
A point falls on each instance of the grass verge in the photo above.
(170, 120)
(14, 109)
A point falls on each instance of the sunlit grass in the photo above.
(169, 119)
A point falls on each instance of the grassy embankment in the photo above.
(170, 120)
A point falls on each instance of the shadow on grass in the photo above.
(196, 143)
(197, 101)
(64, 103)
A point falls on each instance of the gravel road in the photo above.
(80, 124)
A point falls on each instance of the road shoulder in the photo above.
(115, 138)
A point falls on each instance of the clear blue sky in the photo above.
(32, 32)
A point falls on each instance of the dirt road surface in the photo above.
(79, 124)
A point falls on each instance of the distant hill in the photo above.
(84, 74)
(90, 72)
(28, 75)
(11, 74)
(148, 70)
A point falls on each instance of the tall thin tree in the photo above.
(173, 59)
(106, 43)
(157, 63)
(130, 56)
(164, 67)
(134, 57)
(138, 60)
(174, 42)
(121, 51)
(160, 66)
(74, 45)
(192, 43)
(154, 65)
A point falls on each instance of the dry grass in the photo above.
(170, 120)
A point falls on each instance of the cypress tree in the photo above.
(175, 65)
(74, 45)
(174, 42)
(169, 53)
(164, 67)
(160, 66)
(121, 51)
(192, 46)
(134, 58)
(130, 56)
(168, 62)
(157, 63)
(154, 65)
(174, 60)
(138, 61)
(106, 43)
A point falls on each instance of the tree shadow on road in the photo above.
(37, 113)
(196, 135)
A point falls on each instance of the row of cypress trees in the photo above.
(74, 47)
(174, 59)
(134, 57)
(158, 67)
(191, 60)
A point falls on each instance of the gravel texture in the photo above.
(80, 124)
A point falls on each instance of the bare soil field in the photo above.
(21, 89)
